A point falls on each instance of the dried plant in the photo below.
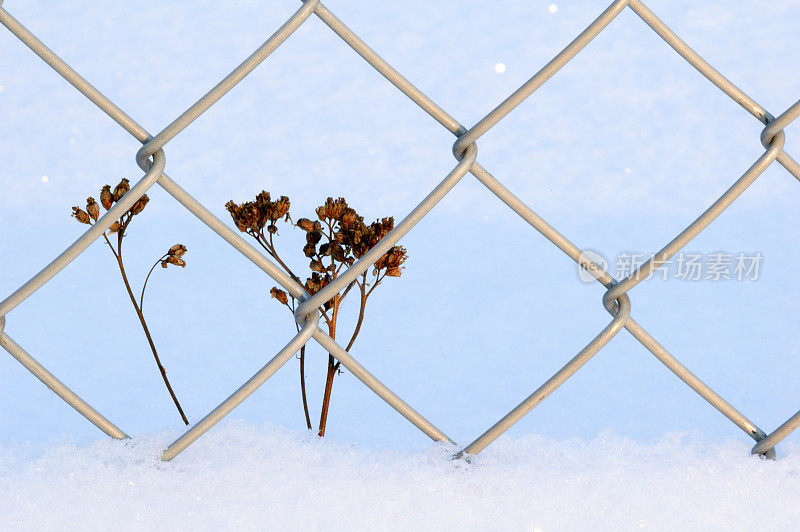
(173, 256)
(334, 241)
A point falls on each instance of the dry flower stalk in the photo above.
(119, 228)
(334, 241)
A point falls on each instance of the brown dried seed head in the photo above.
(177, 250)
(309, 250)
(174, 260)
(338, 208)
(245, 216)
(322, 210)
(261, 208)
(338, 252)
(279, 294)
(313, 237)
(92, 208)
(396, 256)
(313, 283)
(350, 219)
(140, 204)
(106, 199)
(280, 208)
(382, 227)
(235, 212)
(317, 266)
(272, 228)
(332, 209)
(114, 227)
(392, 260)
(305, 224)
(81, 215)
(121, 189)
(317, 282)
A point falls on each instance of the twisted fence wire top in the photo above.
(616, 298)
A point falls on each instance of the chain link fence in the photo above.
(151, 159)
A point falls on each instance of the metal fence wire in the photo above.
(151, 159)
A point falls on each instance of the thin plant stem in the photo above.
(144, 286)
(302, 358)
(303, 385)
(363, 305)
(326, 397)
(360, 317)
(138, 310)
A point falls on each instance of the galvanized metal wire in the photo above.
(152, 159)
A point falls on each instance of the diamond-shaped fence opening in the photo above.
(617, 302)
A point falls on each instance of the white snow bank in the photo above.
(245, 477)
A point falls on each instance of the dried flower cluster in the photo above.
(107, 200)
(119, 227)
(174, 255)
(334, 241)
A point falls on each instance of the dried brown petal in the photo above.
(114, 227)
(92, 208)
(393, 272)
(121, 189)
(81, 215)
(106, 199)
(280, 295)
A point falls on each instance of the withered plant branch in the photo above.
(339, 234)
(139, 313)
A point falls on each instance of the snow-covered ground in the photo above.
(620, 150)
(267, 478)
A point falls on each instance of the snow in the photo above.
(249, 477)
(619, 151)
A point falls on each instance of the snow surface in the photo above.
(262, 478)
(620, 150)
